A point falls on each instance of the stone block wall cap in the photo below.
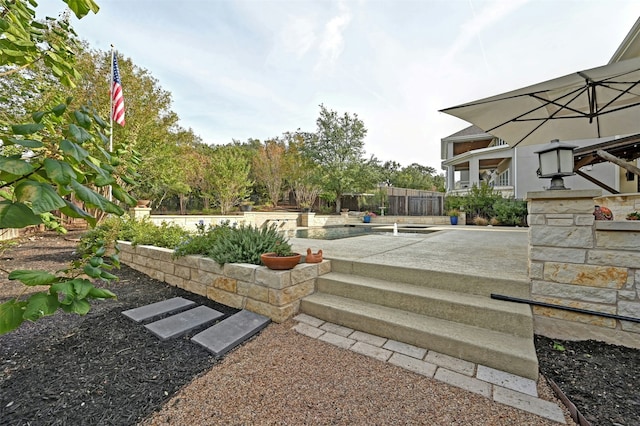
(563, 194)
(618, 225)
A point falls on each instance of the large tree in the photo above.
(302, 175)
(338, 149)
(268, 168)
(50, 159)
(416, 176)
(228, 176)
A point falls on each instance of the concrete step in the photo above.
(153, 310)
(230, 332)
(179, 324)
(501, 351)
(471, 309)
(460, 283)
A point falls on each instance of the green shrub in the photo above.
(106, 233)
(510, 212)
(203, 240)
(167, 235)
(245, 244)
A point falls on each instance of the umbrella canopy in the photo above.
(589, 104)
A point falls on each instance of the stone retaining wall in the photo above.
(275, 294)
(579, 262)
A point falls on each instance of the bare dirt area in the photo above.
(104, 369)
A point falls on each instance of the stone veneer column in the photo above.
(572, 264)
(139, 212)
(560, 234)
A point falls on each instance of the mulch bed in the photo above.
(102, 368)
(601, 380)
(105, 369)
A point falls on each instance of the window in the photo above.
(503, 178)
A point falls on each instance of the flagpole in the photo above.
(111, 115)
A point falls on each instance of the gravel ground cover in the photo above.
(105, 369)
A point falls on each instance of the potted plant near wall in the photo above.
(281, 258)
(367, 216)
(453, 216)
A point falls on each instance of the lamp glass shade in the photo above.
(556, 159)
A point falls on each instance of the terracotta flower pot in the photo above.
(272, 261)
(313, 257)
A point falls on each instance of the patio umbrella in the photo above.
(589, 104)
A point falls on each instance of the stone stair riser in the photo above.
(435, 279)
(480, 311)
(415, 332)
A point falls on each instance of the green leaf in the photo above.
(40, 305)
(96, 261)
(101, 293)
(94, 199)
(59, 171)
(59, 109)
(83, 119)
(17, 215)
(65, 288)
(100, 121)
(26, 129)
(33, 277)
(37, 116)
(74, 150)
(15, 165)
(81, 287)
(115, 260)
(79, 134)
(107, 276)
(82, 7)
(11, 315)
(81, 307)
(42, 196)
(73, 210)
(27, 143)
(91, 271)
(123, 196)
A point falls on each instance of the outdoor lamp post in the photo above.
(556, 161)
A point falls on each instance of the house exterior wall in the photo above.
(526, 179)
(523, 167)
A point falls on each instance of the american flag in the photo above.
(117, 100)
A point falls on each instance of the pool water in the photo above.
(332, 233)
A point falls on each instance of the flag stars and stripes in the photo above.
(117, 99)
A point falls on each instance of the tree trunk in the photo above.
(338, 204)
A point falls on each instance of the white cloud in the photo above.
(332, 42)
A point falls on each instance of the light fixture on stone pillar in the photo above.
(556, 161)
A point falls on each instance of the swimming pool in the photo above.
(332, 232)
(338, 232)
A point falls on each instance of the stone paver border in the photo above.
(502, 387)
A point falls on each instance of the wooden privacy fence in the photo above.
(415, 205)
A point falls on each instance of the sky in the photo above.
(240, 69)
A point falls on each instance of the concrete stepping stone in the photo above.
(229, 333)
(181, 323)
(156, 309)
